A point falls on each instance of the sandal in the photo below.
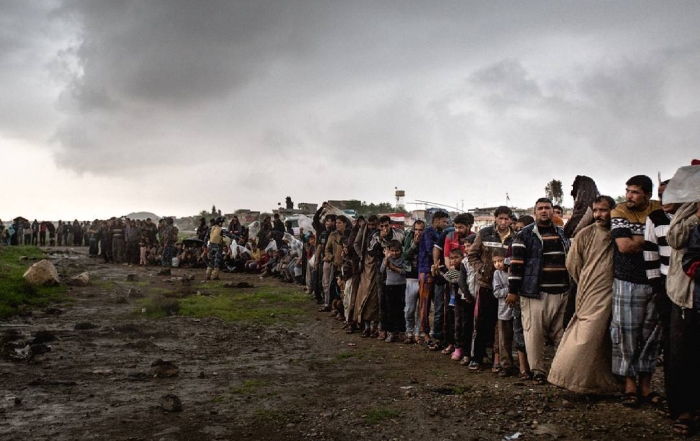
(435, 346)
(503, 373)
(654, 399)
(464, 361)
(365, 333)
(631, 400)
(684, 427)
(539, 379)
(525, 375)
(448, 350)
(409, 340)
(497, 368)
(474, 366)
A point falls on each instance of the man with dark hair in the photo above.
(323, 268)
(426, 271)
(558, 210)
(539, 279)
(634, 327)
(333, 254)
(378, 243)
(583, 362)
(499, 236)
(453, 239)
(657, 255)
(410, 258)
(366, 302)
(277, 224)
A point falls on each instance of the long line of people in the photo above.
(613, 292)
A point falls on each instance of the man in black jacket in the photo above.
(539, 279)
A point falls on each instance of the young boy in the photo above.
(505, 316)
(461, 316)
(393, 266)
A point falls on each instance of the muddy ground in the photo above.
(287, 380)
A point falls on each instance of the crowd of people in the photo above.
(613, 291)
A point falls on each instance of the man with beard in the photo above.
(499, 236)
(583, 362)
(366, 301)
(539, 279)
(657, 255)
(634, 327)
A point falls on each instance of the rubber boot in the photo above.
(208, 273)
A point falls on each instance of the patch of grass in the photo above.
(104, 284)
(160, 306)
(264, 306)
(268, 415)
(349, 354)
(376, 416)
(140, 283)
(15, 293)
(248, 386)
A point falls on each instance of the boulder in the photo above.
(80, 280)
(42, 273)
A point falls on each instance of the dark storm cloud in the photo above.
(155, 86)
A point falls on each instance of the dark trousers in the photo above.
(485, 322)
(448, 317)
(464, 324)
(395, 302)
(683, 385)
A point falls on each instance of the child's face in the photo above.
(394, 253)
(498, 263)
(455, 260)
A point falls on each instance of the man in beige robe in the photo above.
(583, 361)
(366, 306)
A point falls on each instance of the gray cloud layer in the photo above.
(375, 93)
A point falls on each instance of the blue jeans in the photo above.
(409, 311)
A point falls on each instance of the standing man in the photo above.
(425, 275)
(334, 255)
(539, 279)
(323, 268)
(499, 236)
(634, 328)
(657, 255)
(214, 241)
(410, 259)
(378, 242)
(583, 362)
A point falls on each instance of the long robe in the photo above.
(583, 362)
(366, 301)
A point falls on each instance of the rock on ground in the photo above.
(42, 273)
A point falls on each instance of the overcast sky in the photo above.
(109, 107)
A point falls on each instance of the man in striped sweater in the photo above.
(656, 256)
(539, 280)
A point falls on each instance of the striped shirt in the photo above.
(626, 223)
(554, 278)
(657, 253)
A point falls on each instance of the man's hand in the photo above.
(511, 299)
